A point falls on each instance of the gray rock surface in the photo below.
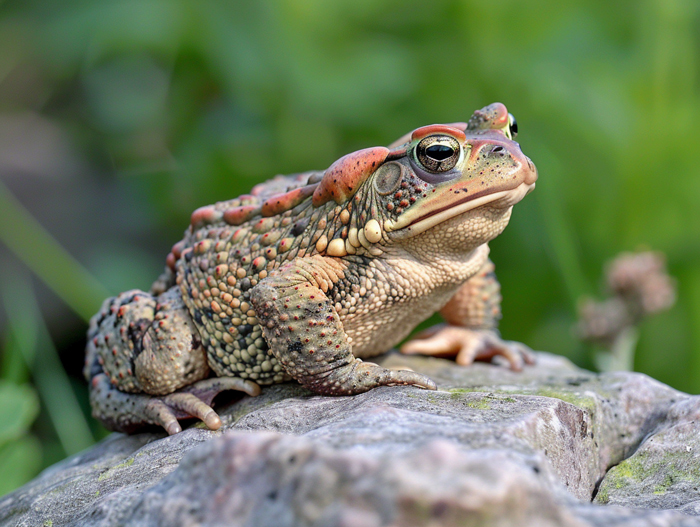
(491, 447)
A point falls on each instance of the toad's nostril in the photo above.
(497, 149)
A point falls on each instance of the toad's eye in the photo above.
(512, 126)
(438, 153)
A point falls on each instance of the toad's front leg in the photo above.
(305, 333)
(470, 333)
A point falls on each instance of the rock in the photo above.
(273, 479)
(664, 472)
(490, 447)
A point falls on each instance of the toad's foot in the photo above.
(358, 377)
(126, 412)
(468, 345)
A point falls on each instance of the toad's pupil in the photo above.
(439, 152)
(513, 126)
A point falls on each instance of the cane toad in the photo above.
(309, 274)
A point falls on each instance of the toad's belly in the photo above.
(374, 331)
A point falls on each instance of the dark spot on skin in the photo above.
(102, 319)
(136, 332)
(196, 343)
(295, 346)
(245, 330)
(127, 300)
(300, 227)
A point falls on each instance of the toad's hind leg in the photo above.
(146, 364)
(128, 412)
(306, 335)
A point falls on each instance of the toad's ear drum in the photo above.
(388, 177)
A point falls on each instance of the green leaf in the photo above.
(20, 461)
(19, 406)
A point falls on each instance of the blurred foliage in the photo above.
(19, 451)
(119, 117)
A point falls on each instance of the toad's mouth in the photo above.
(407, 226)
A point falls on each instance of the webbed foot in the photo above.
(126, 412)
(468, 345)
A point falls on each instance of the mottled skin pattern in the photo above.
(309, 274)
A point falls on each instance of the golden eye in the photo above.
(512, 126)
(438, 153)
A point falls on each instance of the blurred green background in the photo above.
(118, 118)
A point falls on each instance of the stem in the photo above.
(40, 251)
